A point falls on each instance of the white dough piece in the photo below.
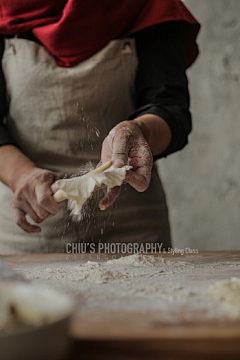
(79, 189)
(34, 305)
(228, 293)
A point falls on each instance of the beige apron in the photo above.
(59, 117)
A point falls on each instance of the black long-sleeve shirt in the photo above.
(161, 83)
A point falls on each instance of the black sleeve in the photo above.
(161, 82)
(5, 137)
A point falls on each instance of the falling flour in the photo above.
(79, 189)
(172, 288)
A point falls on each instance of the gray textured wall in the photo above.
(202, 182)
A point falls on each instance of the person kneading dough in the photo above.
(81, 83)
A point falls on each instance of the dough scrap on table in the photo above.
(228, 293)
(31, 305)
(79, 189)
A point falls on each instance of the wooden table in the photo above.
(120, 335)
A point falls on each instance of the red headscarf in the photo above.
(74, 30)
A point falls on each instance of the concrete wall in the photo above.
(202, 182)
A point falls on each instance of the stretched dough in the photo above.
(79, 189)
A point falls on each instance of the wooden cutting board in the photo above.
(139, 333)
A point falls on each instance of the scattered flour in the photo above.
(138, 260)
(175, 289)
(91, 272)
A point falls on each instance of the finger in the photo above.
(40, 211)
(109, 198)
(54, 188)
(27, 208)
(20, 220)
(139, 180)
(121, 148)
(141, 160)
(46, 205)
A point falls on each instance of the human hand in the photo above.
(126, 145)
(33, 197)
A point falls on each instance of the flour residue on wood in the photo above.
(175, 290)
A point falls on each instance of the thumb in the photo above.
(54, 188)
